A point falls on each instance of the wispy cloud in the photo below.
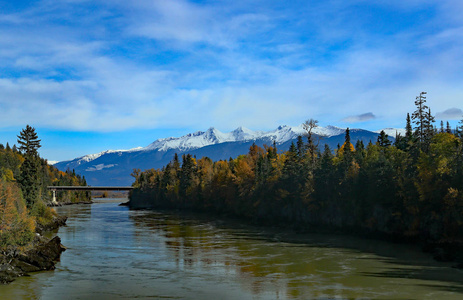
(450, 114)
(155, 64)
(360, 118)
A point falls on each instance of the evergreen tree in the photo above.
(429, 130)
(408, 129)
(383, 140)
(29, 177)
(300, 147)
(347, 148)
(28, 141)
(347, 137)
(176, 165)
(419, 117)
(459, 130)
(359, 146)
(186, 175)
(448, 129)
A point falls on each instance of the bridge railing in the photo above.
(90, 188)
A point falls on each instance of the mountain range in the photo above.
(113, 167)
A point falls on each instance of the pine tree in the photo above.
(423, 120)
(408, 129)
(448, 129)
(28, 141)
(429, 130)
(347, 148)
(460, 128)
(29, 177)
(383, 140)
(300, 147)
(347, 137)
(359, 146)
(419, 116)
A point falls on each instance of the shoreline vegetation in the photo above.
(407, 191)
(24, 211)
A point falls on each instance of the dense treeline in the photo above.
(24, 178)
(412, 189)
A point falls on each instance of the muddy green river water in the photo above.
(115, 253)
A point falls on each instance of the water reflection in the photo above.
(114, 253)
(295, 265)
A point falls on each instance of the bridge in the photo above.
(86, 188)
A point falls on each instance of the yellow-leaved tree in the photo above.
(16, 226)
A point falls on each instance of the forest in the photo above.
(410, 189)
(24, 177)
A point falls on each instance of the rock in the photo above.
(43, 257)
(57, 222)
(8, 273)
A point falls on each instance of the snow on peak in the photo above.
(392, 132)
(91, 157)
(201, 139)
(284, 133)
(329, 130)
(242, 134)
(213, 136)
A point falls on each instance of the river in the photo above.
(115, 253)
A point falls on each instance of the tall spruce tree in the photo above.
(429, 129)
(408, 129)
(347, 146)
(448, 129)
(29, 178)
(459, 129)
(419, 116)
(383, 140)
(423, 120)
(28, 141)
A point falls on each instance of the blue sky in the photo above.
(112, 74)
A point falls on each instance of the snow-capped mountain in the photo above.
(392, 132)
(200, 139)
(213, 136)
(113, 167)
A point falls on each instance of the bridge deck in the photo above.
(90, 188)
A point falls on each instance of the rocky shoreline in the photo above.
(43, 255)
(51, 204)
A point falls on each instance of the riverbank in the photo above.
(41, 255)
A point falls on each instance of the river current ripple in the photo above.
(115, 253)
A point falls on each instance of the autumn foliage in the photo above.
(405, 191)
(19, 217)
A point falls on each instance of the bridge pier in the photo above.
(53, 200)
(85, 188)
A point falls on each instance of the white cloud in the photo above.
(360, 118)
(183, 64)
